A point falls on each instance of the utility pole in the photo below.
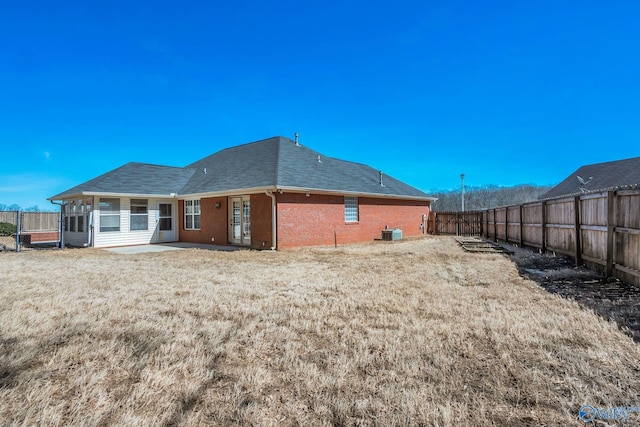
(462, 178)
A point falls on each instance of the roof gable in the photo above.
(599, 177)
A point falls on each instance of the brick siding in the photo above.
(310, 221)
(214, 222)
(261, 221)
(41, 236)
(307, 221)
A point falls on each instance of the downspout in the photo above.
(90, 228)
(274, 227)
(61, 204)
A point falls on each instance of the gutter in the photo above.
(274, 226)
(83, 194)
(355, 193)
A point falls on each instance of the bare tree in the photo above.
(12, 207)
(15, 207)
(487, 197)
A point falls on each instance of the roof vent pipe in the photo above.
(319, 161)
(381, 184)
(297, 143)
(205, 171)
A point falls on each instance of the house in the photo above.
(273, 193)
(620, 174)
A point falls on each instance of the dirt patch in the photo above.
(608, 296)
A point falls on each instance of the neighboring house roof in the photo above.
(599, 177)
(277, 163)
(133, 178)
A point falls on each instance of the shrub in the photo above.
(7, 229)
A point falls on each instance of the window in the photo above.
(350, 209)
(72, 216)
(76, 215)
(246, 219)
(139, 214)
(165, 218)
(192, 214)
(109, 215)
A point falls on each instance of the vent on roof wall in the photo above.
(583, 183)
(296, 136)
(381, 184)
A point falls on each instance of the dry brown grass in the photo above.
(410, 333)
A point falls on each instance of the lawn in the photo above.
(390, 333)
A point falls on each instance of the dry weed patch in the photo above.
(409, 333)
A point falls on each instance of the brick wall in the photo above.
(213, 222)
(261, 221)
(42, 236)
(309, 221)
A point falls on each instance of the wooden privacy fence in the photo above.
(456, 223)
(600, 230)
(40, 221)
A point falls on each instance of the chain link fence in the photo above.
(29, 230)
(8, 230)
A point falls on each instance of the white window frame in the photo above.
(351, 211)
(109, 214)
(81, 225)
(67, 216)
(72, 217)
(134, 205)
(76, 216)
(192, 214)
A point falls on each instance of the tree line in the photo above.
(15, 207)
(487, 197)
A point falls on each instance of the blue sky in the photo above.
(507, 92)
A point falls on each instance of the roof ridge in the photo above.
(629, 159)
(153, 164)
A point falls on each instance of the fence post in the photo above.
(486, 224)
(506, 224)
(610, 231)
(521, 227)
(543, 222)
(495, 226)
(578, 224)
(18, 231)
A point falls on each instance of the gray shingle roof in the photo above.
(134, 178)
(243, 166)
(599, 177)
(278, 161)
(273, 162)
